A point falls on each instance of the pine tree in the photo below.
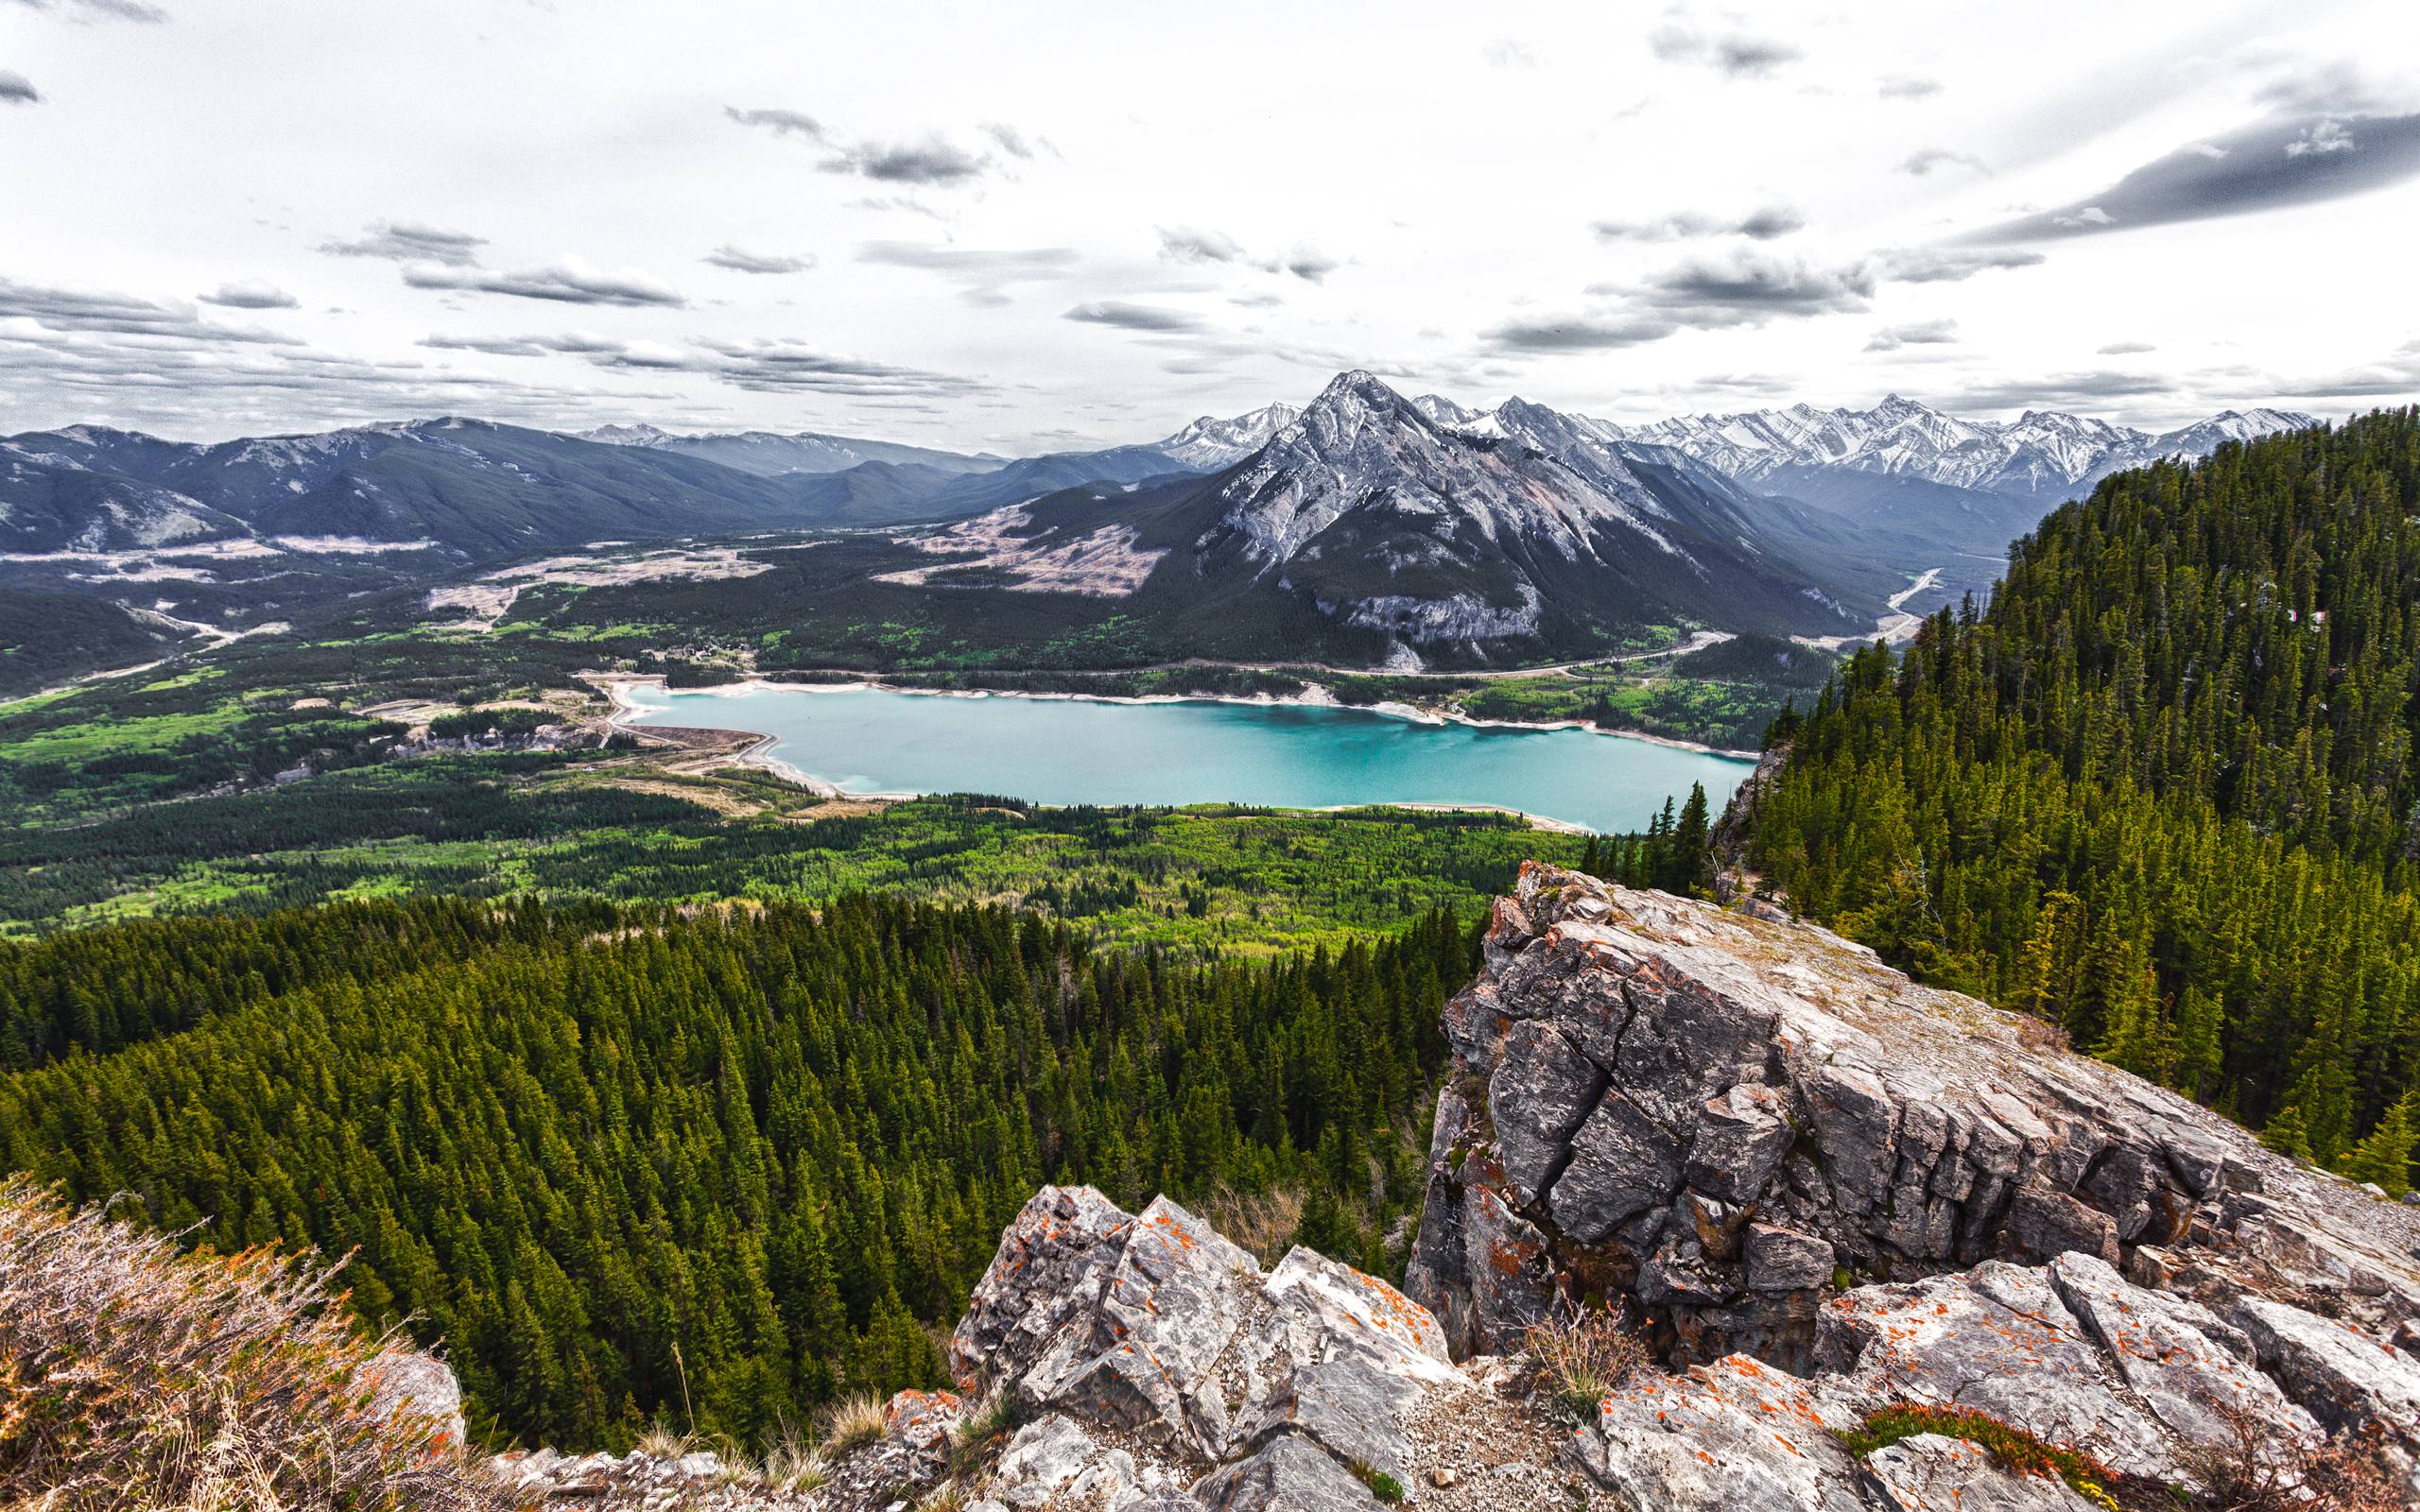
(2384, 1157)
(2287, 1134)
(1685, 856)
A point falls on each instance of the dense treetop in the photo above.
(568, 1142)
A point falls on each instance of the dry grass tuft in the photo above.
(1579, 1355)
(1263, 1224)
(132, 1377)
(794, 1465)
(660, 1440)
(854, 1421)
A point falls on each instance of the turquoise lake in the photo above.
(1072, 751)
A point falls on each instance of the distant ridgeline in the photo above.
(2162, 792)
(570, 1141)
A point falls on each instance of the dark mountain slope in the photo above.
(48, 506)
(480, 490)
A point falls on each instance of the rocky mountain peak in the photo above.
(1445, 412)
(640, 433)
(1355, 401)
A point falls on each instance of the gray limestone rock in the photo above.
(1292, 1474)
(1623, 1163)
(1782, 1260)
(2346, 1378)
(2191, 1370)
(1741, 1137)
(1350, 1408)
(2042, 1224)
(1996, 1339)
(1542, 1088)
(1734, 1437)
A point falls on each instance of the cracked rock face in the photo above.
(1824, 1189)
(1691, 1107)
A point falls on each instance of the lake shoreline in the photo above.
(758, 752)
(1314, 696)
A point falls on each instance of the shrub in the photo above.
(133, 1377)
(2014, 1448)
(2258, 1469)
(1382, 1485)
(1580, 1355)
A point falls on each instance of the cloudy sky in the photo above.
(1027, 226)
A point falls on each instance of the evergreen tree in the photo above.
(2384, 1158)
(2287, 1134)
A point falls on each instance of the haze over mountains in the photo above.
(770, 455)
(1402, 528)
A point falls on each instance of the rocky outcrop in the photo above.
(1141, 1361)
(1152, 1357)
(1894, 1252)
(1822, 1189)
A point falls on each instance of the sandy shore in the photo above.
(758, 753)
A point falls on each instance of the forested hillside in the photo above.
(2162, 791)
(591, 1148)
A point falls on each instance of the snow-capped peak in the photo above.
(1445, 413)
(2040, 452)
(2202, 438)
(1211, 442)
(639, 434)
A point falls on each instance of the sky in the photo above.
(1038, 226)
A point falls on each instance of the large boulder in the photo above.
(1733, 1435)
(1162, 1363)
(1717, 1119)
(407, 1385)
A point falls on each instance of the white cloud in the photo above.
(799, 217)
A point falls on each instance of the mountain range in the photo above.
(474, 489)
(1404, 528)
(770, 454)
(2040, 454)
